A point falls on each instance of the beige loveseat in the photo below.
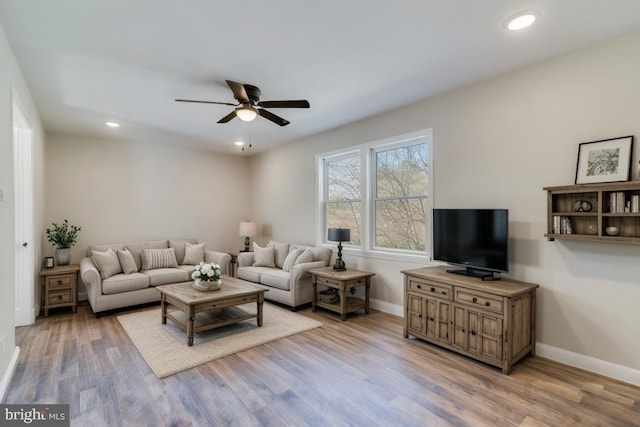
(138, 267)
(283, 268)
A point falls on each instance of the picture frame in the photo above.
(48, 262)
(607, 160)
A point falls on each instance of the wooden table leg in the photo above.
(191, 318)
(343, 301)
(314, 299)
(163, 308)
(366, 298)
(260, 305)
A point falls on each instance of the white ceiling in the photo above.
(88, 61)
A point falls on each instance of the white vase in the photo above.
(203, 285)
(63, 256)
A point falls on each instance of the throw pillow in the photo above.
(306, 256)
(158, 258)
(106, 262)
(290, 260)
(193, 254)
(281, 249)
(263, 257)
(127, 262)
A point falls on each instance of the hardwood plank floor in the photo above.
(358, 372)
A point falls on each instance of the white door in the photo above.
(24, 222)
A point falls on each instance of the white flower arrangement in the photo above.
(207, 272)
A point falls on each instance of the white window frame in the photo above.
(367, 152)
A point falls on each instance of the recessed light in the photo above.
(112, 124)
(521, 20)
(239, 143)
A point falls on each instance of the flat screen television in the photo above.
(476, 239)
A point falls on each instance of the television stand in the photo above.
(481, 274)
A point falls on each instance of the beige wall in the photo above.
(123, 191)
(497, 143)
(11, 79)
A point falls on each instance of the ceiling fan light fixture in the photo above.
(521, 20)
(246, 113)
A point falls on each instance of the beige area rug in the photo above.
(165, 349)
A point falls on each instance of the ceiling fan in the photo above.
(249, 105)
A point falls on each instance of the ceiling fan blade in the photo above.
(205, 102)
(228, 117)
(238, 91)
(275, 119)
(299, 103)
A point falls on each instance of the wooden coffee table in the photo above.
(185, 299)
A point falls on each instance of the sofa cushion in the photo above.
(252, 274)
(321, 254)
(281, 251)
(136, 249)
(179, 247)
(188, 268)
(193, 254)
(106, 262)
(163, 276)
(124, 282)
(276, 278)
(104, 248)
(158, 258)
(291, 258)
(306, 256)
(263, 257)
(127, 262)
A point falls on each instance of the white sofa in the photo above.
(131, 279)
(283, 269)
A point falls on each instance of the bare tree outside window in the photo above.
(401, 198)
(343, 205)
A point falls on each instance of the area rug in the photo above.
(165, 349)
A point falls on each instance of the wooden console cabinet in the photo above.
(491, 321)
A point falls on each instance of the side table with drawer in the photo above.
(341, 281)
(490, 321)
(60, 287)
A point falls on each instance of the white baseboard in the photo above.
(387, 307)
(590, 364)
(8, 374)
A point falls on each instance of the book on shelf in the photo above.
(562, 225)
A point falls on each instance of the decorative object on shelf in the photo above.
(592, 229)
(247, 229)
(612, 231)
(63, 236)
(339, 235)
(608, 160)
(582, 206)
(48, 262)
(206, 277)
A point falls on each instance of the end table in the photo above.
(341, 280)
(60, 287)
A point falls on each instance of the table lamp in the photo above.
(247, 229)
(339, 235)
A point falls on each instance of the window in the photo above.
(381, 191)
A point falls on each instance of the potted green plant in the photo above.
(63, 236)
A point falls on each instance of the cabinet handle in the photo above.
(433, 289)
(487, 303)
(462, 331)
(419, 287)
(474, 299)
(431, 319)
(59, 282)
(473, 332)
(443, 292)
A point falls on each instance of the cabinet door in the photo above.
(490, 336)
(459, 327)
(438, 319)
(415, 314)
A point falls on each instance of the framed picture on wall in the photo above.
(608, 160)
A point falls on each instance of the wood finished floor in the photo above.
(361, 372)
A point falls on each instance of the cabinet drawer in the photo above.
(428, 287)
(59, 297)
(481, 299)
(327, 282)
(59, 282)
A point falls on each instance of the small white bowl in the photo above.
(612, 231)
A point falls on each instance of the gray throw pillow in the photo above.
(193, 254)
(106, 262)
(127, 262)
(263, 257)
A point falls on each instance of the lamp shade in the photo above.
(247, 229)
(339, 235)
(246, 113)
